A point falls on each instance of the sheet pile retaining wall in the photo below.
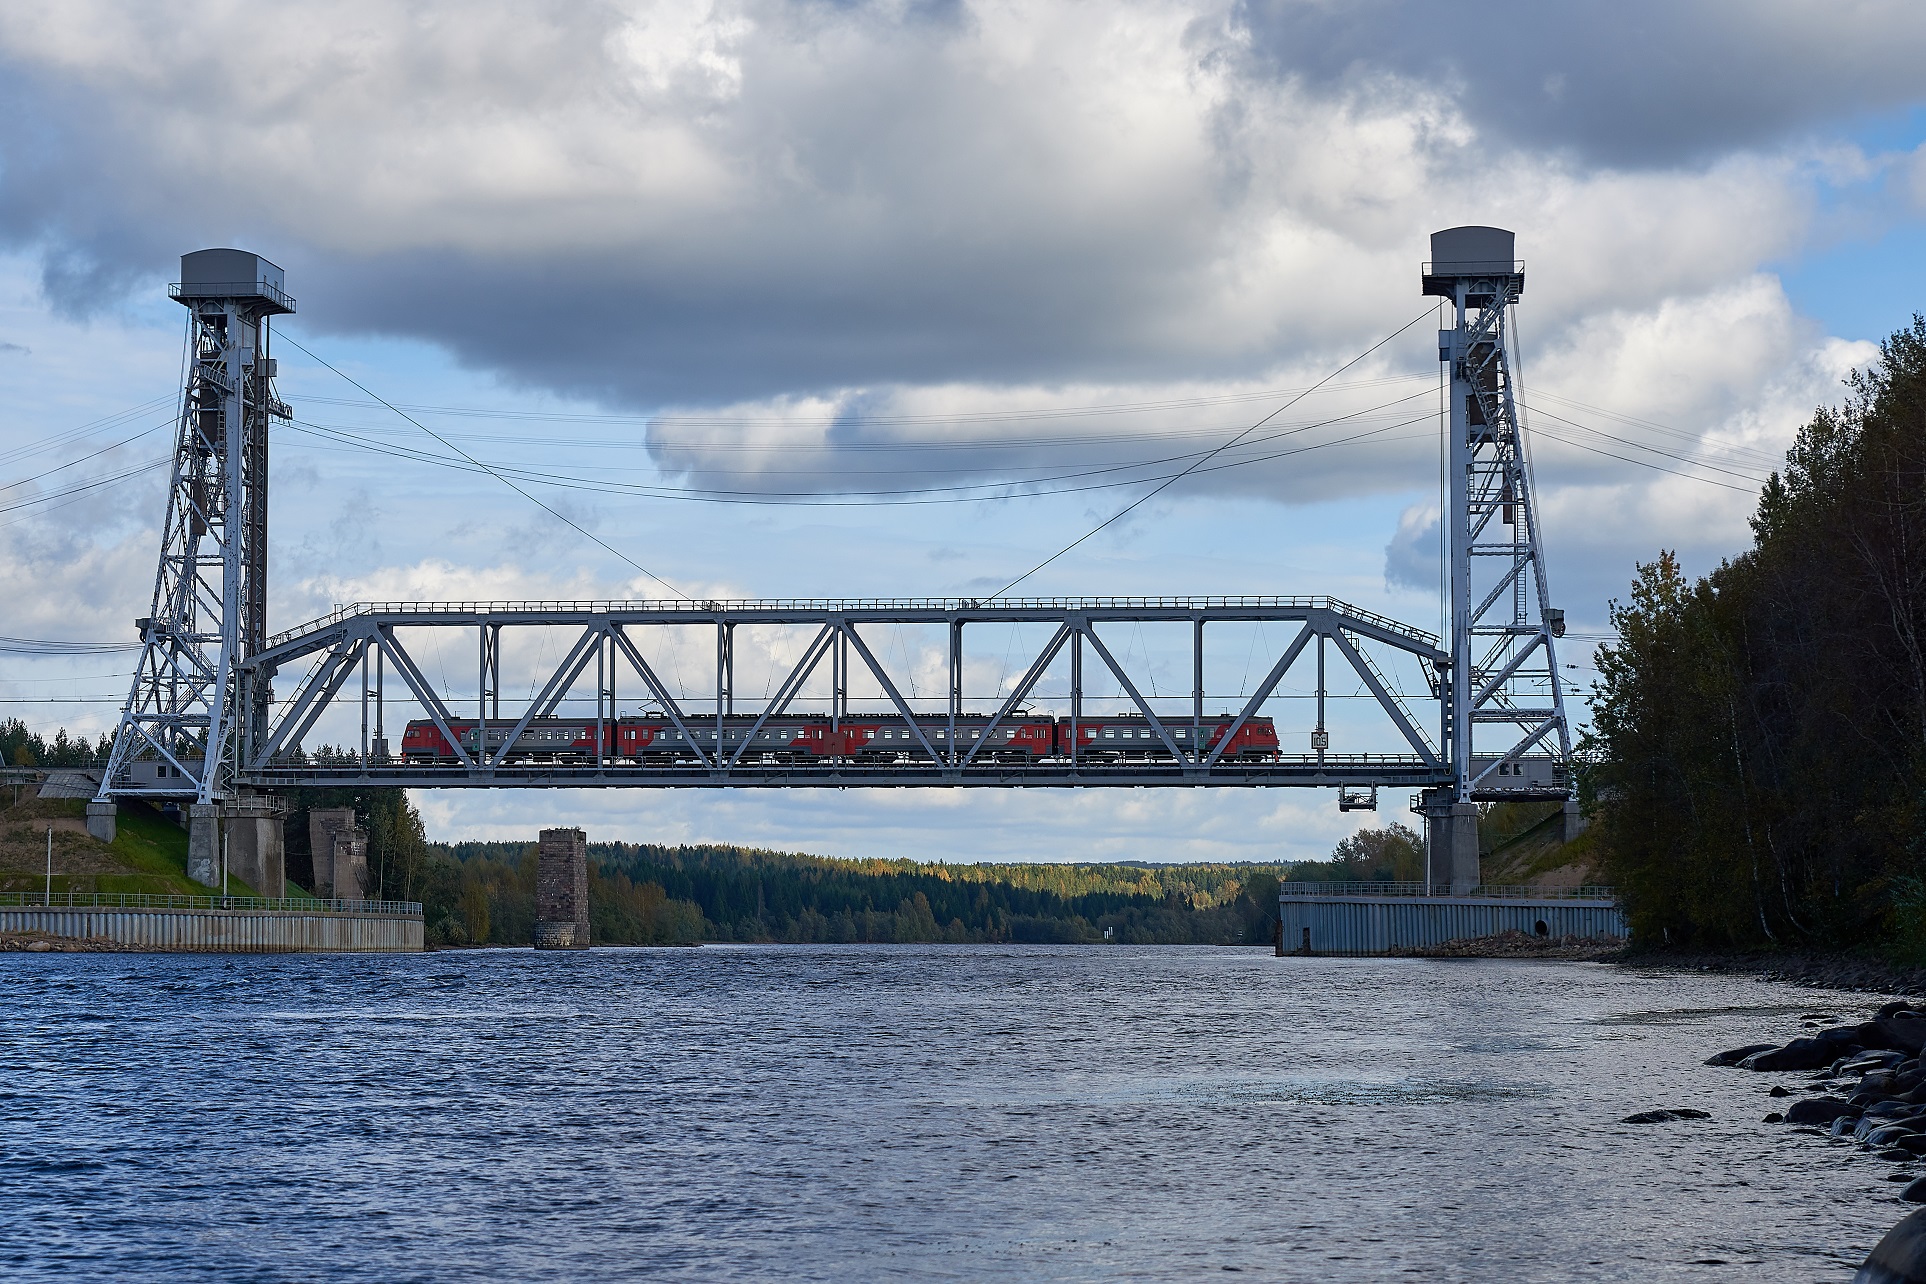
(1379, 925)
(224, 931)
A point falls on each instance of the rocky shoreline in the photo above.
(1864, 1083)
(1517, 945)
(1859, 974)
(46, 943)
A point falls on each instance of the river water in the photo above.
(904, 1112)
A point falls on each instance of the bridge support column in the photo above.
(1451, 844)
(1573, 822)
(561, 891)
(101, 820)
(256, 844)
(204, 843)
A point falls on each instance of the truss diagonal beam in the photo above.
(813, 656)
(1130, 688)
(1030, 679)
(889, 689)
(1264, 689)
(424, 692)
(1385, 698)
(557, 686)
(322, 686)
(646, 672)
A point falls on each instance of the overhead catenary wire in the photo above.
(573, 525)
(47, 646)
(813, 497)
(1175, 478)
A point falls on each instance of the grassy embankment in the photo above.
(147, 857)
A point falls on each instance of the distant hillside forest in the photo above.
(1758, 765)
(643, 893)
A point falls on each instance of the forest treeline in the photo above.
(1757, 765)
(644, 893)
(21, 747)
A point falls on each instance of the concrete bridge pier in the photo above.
(102, 820)
(1451, 843)
(1573, 823)
(249, 826)
(204, 843)
(256, 843)
(340, 853)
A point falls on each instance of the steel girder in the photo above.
(335, 648)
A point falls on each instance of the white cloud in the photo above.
(874, 246)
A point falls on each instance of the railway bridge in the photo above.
(222, 712)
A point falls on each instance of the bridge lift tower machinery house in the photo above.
(202, 726)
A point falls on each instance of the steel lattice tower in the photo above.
(1504, 700)
(190, 711)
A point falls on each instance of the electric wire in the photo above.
(570, 523)
(891, 420)
(1173, 480)
(1637, 445)
(5, 486)
(873, 502)
(814, 498)
(45, 646)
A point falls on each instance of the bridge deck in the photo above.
(1383, 772)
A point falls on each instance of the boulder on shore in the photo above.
(1899, 1258)
(1732, 1056)
(1664, 1116)
(1800, 1054)
(1901, 1034)
(1818, 1110)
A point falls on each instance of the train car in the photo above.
(1132, 739)
(864, 738)
(793, 738)
(1023, 738)
(553, 739)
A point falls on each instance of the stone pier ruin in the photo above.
(340, 850)
(561, 891)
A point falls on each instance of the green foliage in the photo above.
(1394, 854)
(1757, 767)
(20, 747)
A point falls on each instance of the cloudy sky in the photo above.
(932, 285)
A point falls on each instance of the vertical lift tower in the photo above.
(1504, 708)
(190, 707)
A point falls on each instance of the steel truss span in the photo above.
(353, 656)
(1485, 720)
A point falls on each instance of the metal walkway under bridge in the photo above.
(220, 712)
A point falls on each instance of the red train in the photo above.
(655, 740)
